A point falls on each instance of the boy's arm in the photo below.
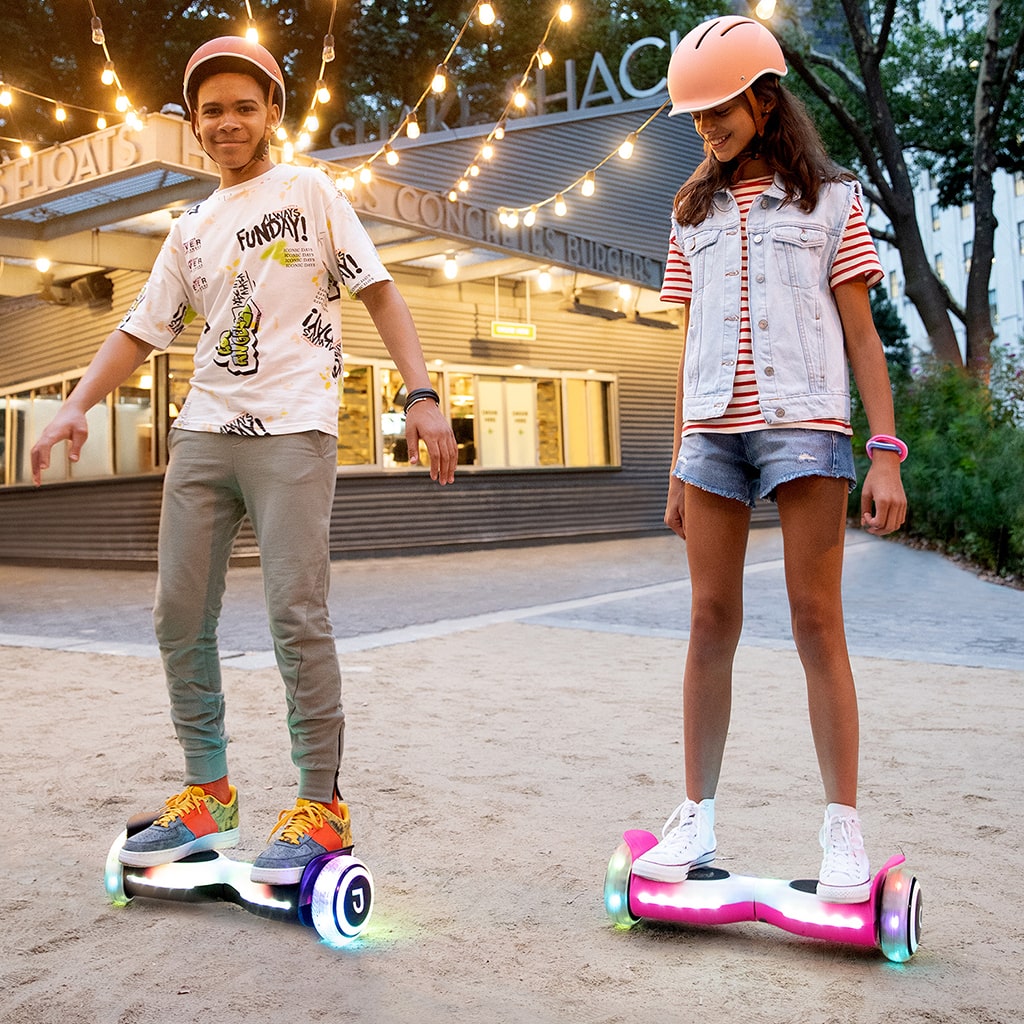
(117, 359)
(424, 421)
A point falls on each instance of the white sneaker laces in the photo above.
(685, 833)
(844, 848)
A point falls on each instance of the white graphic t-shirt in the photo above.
(263, 264)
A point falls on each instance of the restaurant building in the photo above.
(554, 357)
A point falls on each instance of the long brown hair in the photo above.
(790, 145)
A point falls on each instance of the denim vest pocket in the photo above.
(799, 250)
(698, 248)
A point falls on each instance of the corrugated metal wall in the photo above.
(115, 521)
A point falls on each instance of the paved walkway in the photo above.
(901, 603)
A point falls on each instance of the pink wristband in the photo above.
(885, 443)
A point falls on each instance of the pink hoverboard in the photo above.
(889, 919)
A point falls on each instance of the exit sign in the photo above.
(512, 329)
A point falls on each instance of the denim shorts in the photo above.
(751, 465)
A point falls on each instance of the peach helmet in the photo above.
(233, 53)
(720, 59)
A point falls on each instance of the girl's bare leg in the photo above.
(812, 511)
(716, 544)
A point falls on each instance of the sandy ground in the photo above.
(490, 775)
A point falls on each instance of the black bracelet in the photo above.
(419, 395)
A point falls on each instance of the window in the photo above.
(134, 450)
(355, 419)
(993, 306)
(1020, 237)
(502, 418)
(936, 217)
(940, 266)
(968, 249)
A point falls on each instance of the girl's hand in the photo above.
(883, 504)
(675, 518)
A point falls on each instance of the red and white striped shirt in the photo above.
(855, 258)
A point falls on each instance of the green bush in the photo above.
(965, 475)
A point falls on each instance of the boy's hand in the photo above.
(425, 422)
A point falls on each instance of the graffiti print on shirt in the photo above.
(351, 274)
(246, 425)
(287, 224)
(318, 330)
(238, 351)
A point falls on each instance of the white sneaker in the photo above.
(689, 844)
(845, 876)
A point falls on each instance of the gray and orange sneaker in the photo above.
(191, 821)
(308, 830)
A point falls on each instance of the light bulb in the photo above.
(6, 97)
(25, 150)
(463, 185)
(43, 265)
(365, 174)
(499, 130)
(589, 184)
(101, 122)
(97, 32)
(288, 152)
(544, 280)
(328, 55)
(453, 196)
(519, 99)
(107, 75)
(530, 217)
(474, 171)
(323, 94)
(348, 181)
(625, 291)
(312, 123)
(626, 149)
(252, 33)
(281, 133)
(544, 56)
(451, 268)
(303, 142)
(390, 156)
(513, 218)
(487, 151)
(565, 13)
(440, 79)
(485, 12)
(412, 127)
(765, 9)
(560, 208)
(122, 103)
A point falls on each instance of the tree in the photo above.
(912, 97)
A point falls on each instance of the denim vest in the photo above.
(799, 353)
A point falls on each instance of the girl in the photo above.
(771, 256)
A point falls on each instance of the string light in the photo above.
(519, 99)
(390, 155)
(451, 268)
(412, 126)
(587, 183)
(765, 9)
(485, 13)
(6, 96)
(107, 75)
(439, 82)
